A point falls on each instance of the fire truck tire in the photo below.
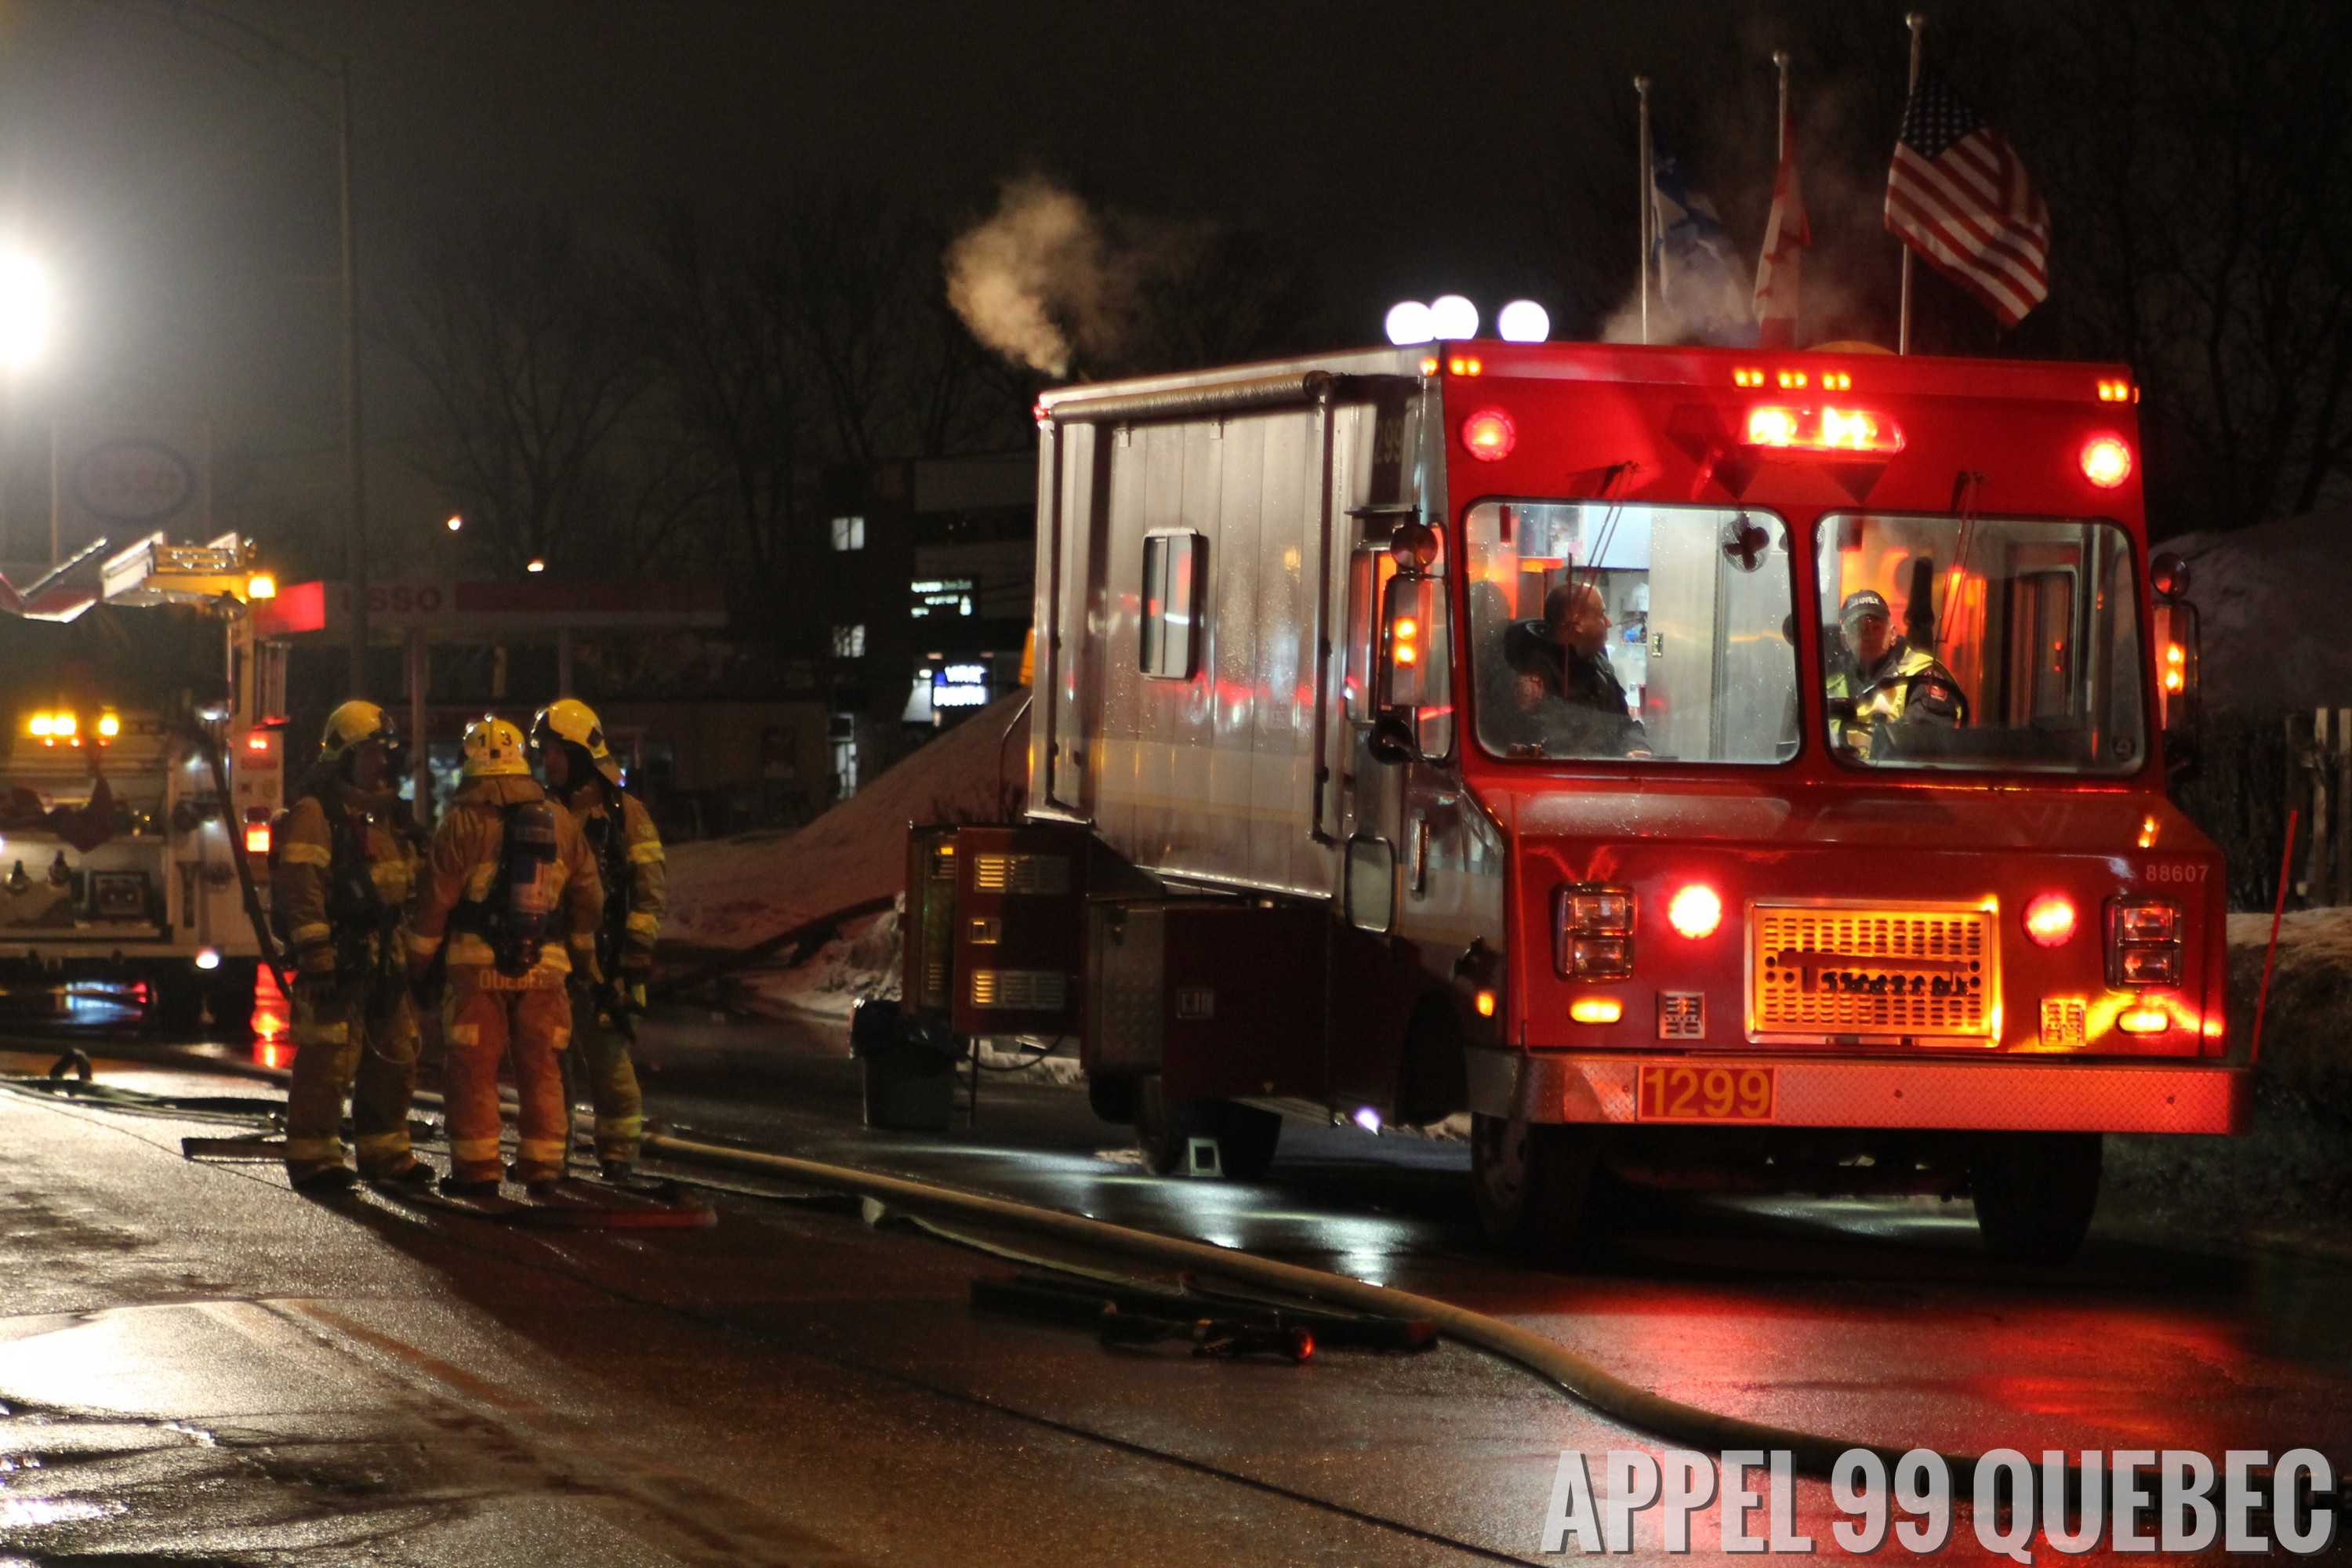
(1111, 1098)
(175, 1000)
(1165, 1128)
(1532, 1183)
(2035, 1193)
(230, 995)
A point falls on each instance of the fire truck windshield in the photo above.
(1602, 630)
(1981, 643)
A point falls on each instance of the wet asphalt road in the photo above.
(199, 1365)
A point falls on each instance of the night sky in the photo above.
(181, 183)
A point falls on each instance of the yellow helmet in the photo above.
(354, 725)
(569, 718)
(492, 748)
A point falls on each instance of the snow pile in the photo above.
(2307, 1027)
(727, 894)
(2271, 599)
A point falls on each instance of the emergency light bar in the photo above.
(1777, 426)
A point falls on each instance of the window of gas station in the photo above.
(1604, 630)
(1981, 643)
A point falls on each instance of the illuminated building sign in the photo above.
(941, 595)
(960, 685)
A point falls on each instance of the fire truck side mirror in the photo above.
(1414, 717)
(2178, 661)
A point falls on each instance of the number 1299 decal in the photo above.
(1673, 1091)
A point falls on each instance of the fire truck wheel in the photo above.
(1165, 1128)
(1532, 1180)
(1111, 1098)
(230, 996)
(2035, 1191)
(175, 1000)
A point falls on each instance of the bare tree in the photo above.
(529, 343)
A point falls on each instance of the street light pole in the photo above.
(355, 469)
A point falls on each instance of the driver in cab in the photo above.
(1884, 677)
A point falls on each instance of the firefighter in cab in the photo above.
(343, 864)
(1884, 680)
(508, 914)
(581, 772)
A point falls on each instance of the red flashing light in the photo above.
(1694, 911)
(256, 839)
(1829, 430)
(258, 741)
(2050, 919)
(1489, 436)
(2107, 461)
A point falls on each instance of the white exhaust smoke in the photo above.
(1044, 280)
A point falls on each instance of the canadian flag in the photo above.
(1787, 233)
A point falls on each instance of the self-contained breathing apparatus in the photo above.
(364, 926)
(513, 917)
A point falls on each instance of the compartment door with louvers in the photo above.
(1020, 930)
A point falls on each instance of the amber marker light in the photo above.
(1694, 911)
(1596, 1009)
(2145, 1021)
(2050, 919)
(1485, 1003)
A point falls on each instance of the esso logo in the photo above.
(133, 481)
(405, 598)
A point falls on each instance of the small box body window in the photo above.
(1171, 617)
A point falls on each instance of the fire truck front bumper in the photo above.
(2036, 1094)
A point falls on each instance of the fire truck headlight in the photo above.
(40, 725)
(2050, 921)
(1694, 911)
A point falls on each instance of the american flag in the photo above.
(1958, 195)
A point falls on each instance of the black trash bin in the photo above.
(909, 1066)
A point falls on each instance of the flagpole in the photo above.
(1642, 90)
(1780, 126)
(1918, 22)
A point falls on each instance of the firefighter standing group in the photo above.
(532, 911)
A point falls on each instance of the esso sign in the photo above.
(394, 600)
(133, 481)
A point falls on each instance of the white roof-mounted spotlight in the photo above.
(1524, 322)
(1453, 318)
(1407, 324)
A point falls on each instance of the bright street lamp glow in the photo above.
(536, 565)
(24, 309)
(455, 522)
(1453, 318)
(1524, 322)
(1408, 324)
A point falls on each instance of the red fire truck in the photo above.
(1711, 766)
(136, 689)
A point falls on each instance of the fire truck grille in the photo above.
(1020, 873)
(1826, 969)
(1027, 990)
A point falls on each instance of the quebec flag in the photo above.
(1707, 298)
